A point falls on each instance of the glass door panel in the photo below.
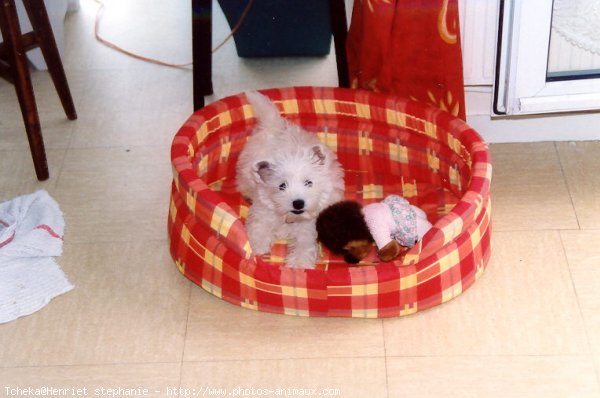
(574, 40)
(548, 57)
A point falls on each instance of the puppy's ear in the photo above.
(263, 171)
(389, 251)
(318, 154)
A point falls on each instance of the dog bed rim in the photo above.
(445, 230)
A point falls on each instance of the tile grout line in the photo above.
(185, 335)
(566, 181)
(61, 168)
(590, 351)
(128, 363)
(264, 359)
(385, 360)
(89, 364)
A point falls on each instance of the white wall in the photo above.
(56, 12)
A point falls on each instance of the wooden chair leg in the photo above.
(339, 26)
(11, 31)
(202, 50)
(41, 26)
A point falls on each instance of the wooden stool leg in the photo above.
(11, 31)
(38, 17)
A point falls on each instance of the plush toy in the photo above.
(394, 225)
(341, 227)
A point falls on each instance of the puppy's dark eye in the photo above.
(282, 186)
(308, 183)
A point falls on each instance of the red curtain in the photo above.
(410, 48)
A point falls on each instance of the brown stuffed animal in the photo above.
(345, 228)
(341, 228)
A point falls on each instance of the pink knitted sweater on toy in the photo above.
(394, 218)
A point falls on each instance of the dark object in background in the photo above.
(277, 28)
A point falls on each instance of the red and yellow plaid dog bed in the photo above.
(386, 145)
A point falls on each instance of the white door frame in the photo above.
(521, 87)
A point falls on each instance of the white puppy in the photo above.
(289, 176)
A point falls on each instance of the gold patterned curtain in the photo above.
(410, 48)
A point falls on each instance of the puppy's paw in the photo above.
(260, 249)
(260, 244)
(298, 259)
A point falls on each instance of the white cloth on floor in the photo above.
(31, 230)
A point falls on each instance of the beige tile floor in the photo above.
(529, 328)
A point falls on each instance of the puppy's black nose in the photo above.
(298, 204)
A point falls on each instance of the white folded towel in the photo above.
(31, 231)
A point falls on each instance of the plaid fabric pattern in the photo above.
(386, 145)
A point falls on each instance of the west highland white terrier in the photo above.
(289, 176)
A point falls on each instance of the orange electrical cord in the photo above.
(115, 47)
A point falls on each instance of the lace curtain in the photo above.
(578, 21)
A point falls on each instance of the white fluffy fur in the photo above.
(289, 176)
